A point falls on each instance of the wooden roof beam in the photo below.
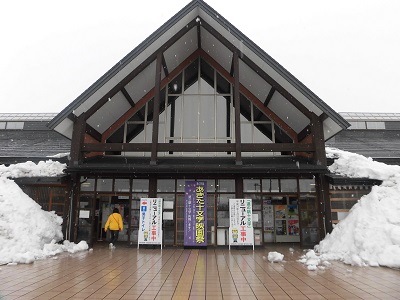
(250, 96)
(117, 124)
(139, 69)
(258, 70)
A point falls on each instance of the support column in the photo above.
(156, 110)
(239, 187)
(327, 202)
(153, 186)
(317, 132)
(74, 209)
(236, 99)
(78, 137)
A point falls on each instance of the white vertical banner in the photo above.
(150, 224)
(241, 223)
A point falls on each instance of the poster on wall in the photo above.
(241, 223)
(268, 217)
(293, 227)
(195, 220)
(280, 227)
(293, 212)
(150, 221)
(280, 211)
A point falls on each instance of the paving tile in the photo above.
(192, 274)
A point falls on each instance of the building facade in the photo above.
(199, 101)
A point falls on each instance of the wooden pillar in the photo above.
(324, 187)
(153, 186)
(236, 99)
(74, 209)
(156, 110)
(317, 132)
(78, 137)
(239, 187)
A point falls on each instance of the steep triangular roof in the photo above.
(197, 30)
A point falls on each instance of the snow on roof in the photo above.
(27, 116)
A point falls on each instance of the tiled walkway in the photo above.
(129, 273)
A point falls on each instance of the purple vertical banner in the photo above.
(195, 226)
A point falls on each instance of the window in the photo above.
(14, 125)
(375, 125)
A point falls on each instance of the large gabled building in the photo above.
(199, 101)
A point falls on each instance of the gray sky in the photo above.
(345, 51)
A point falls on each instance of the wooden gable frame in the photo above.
(91, 142)
(170, 75)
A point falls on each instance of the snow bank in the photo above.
(27, 232)
(370, 234)
(47, 168)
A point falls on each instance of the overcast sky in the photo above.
(346, 51)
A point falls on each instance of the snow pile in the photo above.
(27, 232)
(47, 168)
(370, 234)
(313, 261)
(275, 256)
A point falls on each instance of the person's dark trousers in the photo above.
(114, 236)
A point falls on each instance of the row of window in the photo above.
(367, 125)
(266, 185)
(11, 125)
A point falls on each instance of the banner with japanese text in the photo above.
(150, 226)
(241, 222)
(195, 221)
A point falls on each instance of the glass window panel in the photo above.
(180, 184)
(175, 86)
(223, 218)
(289, 185)
(308, 203)
(139, 138)
(15, 125)
(210, 185)
(2, 125)
(270, 185)
(207, 117)
(166, 185)
(122, 185)
(207, 72)
(87, 184)
(257, 219)
(223, 86)
(140, 185)
(251, 185)
(191, 76)
(226, 185)
(262, 137)
(178, 119)
(310, 236)
(223, 107)
(167, 197)
(309, 218)
(104, 185)
(358, 125)
(190, 117)
(223, 201)
(246, 131)
(307, 185)
(375, 125)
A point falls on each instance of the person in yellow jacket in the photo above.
(115, 225)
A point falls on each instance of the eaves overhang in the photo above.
(140, 166)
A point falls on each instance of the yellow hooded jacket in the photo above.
(114, 222)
